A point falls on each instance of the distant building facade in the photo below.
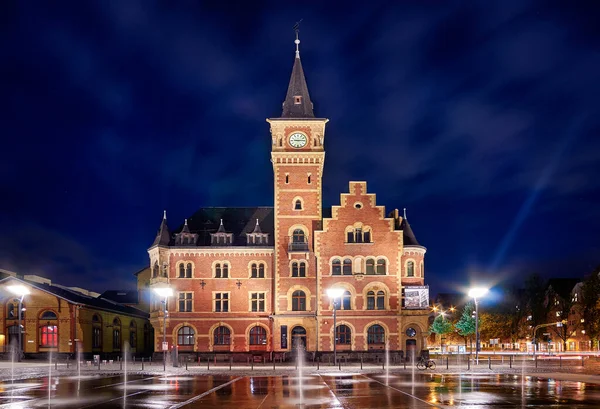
(56, 319)
(256, 279)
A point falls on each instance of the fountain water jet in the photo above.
(387, 363)
(125, 354)
(49, 378)
(300, 364)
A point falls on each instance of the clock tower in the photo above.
(298, 156)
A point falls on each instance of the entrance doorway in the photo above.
(411, 349)
(13, 337)
(299, 338)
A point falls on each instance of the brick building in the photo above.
(255, 279)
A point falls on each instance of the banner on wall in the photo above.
(416, 297)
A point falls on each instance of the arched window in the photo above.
(410, 269)
(371, 300)
(381, 266)
(375, 335)
(422, 272)
(254, 270)
(299, 269)
(336, 267)
(132, 334)
(298, 236)
(188, 270)
(370, 266)
(96, 332)
(298, 205)
(11, 313)
(367, 236)
(221, 270)
(343, 335)
(185, 336)
(48, 330)
(181, 271)
(258, 336)
(261, 271)
(347, 270)
(380, 300)
(155, 269)
(222, 336)
(298, 301)
(116, 334)
(346, 301)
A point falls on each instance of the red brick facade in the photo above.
(288, 301)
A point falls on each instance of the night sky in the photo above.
(482, 118)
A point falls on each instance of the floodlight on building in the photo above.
(475, 293)
(18, 290)
(164, 291)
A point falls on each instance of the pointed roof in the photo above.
(409, 236)
(221, 228)
(185, 228)
(163, 236)
(257, 228)
(297, 102)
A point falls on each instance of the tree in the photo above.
(441, 326)
(466, 323)
(590, 304)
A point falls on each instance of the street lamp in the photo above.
(165, 292)
(20, 291)
(476, 293)
(333, 294)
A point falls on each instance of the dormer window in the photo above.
(297, 100)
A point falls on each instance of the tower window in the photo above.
(287, 178)
(308, 179)
(298, 205)
(410, 269)
(297, 100)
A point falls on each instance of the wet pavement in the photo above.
(346, 390)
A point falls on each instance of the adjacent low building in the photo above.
(57, 319)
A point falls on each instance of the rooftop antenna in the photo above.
(297, 42)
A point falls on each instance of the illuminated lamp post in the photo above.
(20, 291)
(333, 294)
(476, 293)
(164, 292)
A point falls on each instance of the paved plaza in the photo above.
(34, 384)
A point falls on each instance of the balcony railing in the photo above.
(159, 280)
(297, 246)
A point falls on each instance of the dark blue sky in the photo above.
(482, 118)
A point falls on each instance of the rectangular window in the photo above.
(185, 302)
(221, 302)
(49, 337)
(96, 337)
(117, 339)
(257, 302)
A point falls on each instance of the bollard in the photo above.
(404, 363)
(447, 359)
(383, 364)
(120, 365)
(186, 364)
(98, 362)
(468, 363)
(142, 364)
(252, 364)
(230, 361)
(208, 364)
(510, 361)
(361, 361)
(318, 365)
(560, 361)
(273, 363)
(490, 362)
(339, 364)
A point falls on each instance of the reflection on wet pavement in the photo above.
(309, 391)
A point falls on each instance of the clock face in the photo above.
(298, 140)
(411, 332)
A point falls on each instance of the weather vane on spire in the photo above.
(297, 42)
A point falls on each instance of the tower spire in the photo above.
(297, 102)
